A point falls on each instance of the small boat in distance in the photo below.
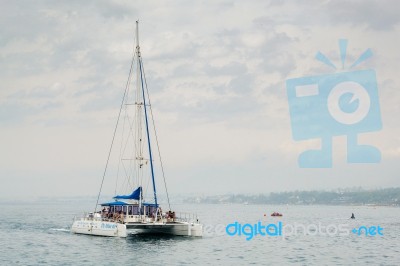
(276, 214)
(132, 213)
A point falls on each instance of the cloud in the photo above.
(379, 16)
(216, 74)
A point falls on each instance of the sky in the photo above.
(216, 72)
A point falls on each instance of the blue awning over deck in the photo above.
(120, 203)
(115, 203)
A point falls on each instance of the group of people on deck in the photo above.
(170, 215)
(115, 216)
(119, 215)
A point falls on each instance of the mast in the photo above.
(145, 111)
(138, 119)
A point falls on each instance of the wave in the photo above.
(60, 229)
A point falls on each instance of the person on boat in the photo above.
(116, 216)
(160, 212)
(168, 216)
(352, 216)
(121, 217)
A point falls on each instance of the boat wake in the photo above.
(60, 230)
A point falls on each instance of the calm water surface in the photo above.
(38, 233)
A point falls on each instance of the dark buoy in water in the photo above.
(352, 216)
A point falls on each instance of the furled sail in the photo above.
(135, 195)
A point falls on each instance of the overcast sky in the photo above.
(216, 72)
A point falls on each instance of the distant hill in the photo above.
(387, 196)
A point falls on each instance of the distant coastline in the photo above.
(349, 196)
(383, 197)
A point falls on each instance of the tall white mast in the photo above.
(145, 113)
(139, 103)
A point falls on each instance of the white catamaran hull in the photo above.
(103, 228)
(99, 228)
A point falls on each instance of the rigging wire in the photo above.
(147, 131)
(127, 172)
(131, 131)
(155, 133)
(120, 151)
(130, 125)
(139, 144)
(115, 131)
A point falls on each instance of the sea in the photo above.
(38, 233)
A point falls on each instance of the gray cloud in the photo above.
(230, 69)
(216, 73)
(376, 15)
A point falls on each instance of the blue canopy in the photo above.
(121, 203)
(115, 203)
(135, 195)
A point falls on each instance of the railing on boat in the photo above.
(186, 217)
(89, 216)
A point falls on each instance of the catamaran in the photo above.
(132, 213)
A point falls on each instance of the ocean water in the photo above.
(38, 233)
